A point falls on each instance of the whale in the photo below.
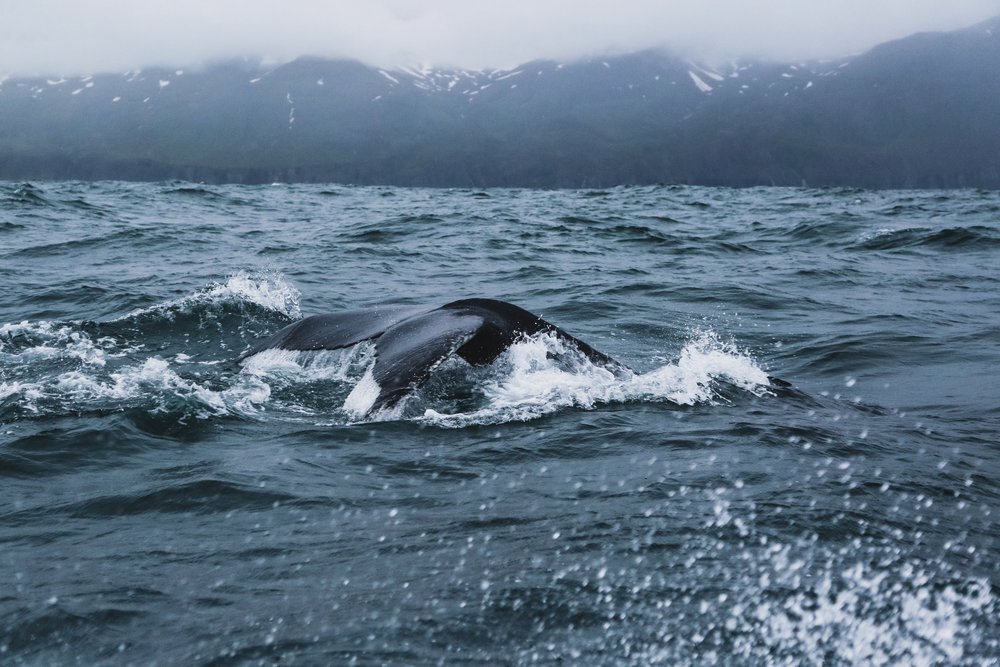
(411, 341)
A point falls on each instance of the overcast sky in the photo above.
(85, 36)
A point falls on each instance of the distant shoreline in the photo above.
(916, 113)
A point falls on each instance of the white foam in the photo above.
(247, 395)
(44, 327)
(544, 375)
(268, 290)
(132, 382)
(534, 377)
(84, 390)
(8, 389)
(56, 341)
(295, 366)
(702, 360)
(273, 363)
(275, 368)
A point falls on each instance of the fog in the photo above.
(85, 36)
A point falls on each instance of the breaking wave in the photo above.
(52, 368)
(269, 291)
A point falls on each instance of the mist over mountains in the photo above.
(917, 112)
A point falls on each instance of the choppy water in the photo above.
(160, 504)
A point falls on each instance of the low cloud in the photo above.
(72, 37)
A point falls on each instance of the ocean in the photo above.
(162, 504)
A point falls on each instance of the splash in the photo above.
(703, 361)
(51, 367)
(34, 356)
(152, 384)
(289, 366)
(30, 342)
(270, 291)
(278, 377)
(542, 375)
(867, 615)
(793, 608)
(788, 602)
(154, 376)
(534, 377)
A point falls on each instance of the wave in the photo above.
(193, 191)
(125, 237)
(821, 232)
(975, 237)
(50, 624)
(189, 496)
(30, 196)
(635, 233)
(202, 195)
(56, 368)
(269, 291)
(193, 496)
(91, 209)
(26, 194)
(151, 385)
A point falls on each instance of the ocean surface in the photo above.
(162, 504)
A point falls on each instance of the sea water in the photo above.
(162, 504)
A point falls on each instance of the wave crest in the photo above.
(267, 290)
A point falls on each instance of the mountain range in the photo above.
(919, 112)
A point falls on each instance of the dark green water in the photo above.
(160, 504)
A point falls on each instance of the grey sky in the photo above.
(85, 36)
